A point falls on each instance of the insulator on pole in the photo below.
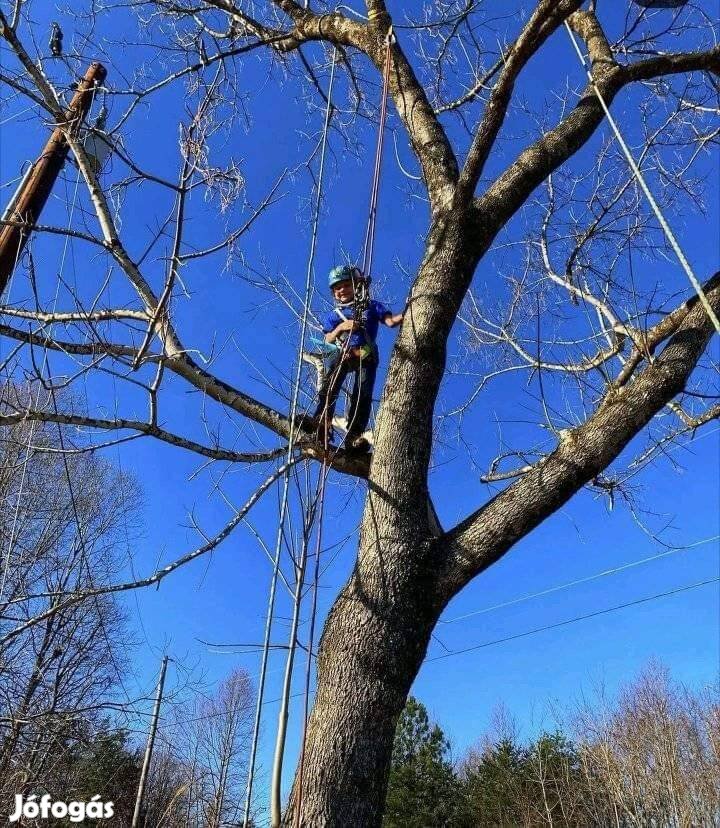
(98, 149)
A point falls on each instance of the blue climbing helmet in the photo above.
(344, 272)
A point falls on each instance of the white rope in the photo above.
(643, 184)
(291, 447)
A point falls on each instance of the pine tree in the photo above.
(423, 791)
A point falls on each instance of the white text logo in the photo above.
(44, 808)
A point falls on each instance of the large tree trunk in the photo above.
(377, 633)
(373, 645)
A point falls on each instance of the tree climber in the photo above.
(351, 329)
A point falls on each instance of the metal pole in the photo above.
(149, 746)
(27, 204)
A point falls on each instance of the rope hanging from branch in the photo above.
(369, 244)
(367, 258)
(637, 172)
(291, 448)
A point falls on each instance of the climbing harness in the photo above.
(641, 178)
(361, 299)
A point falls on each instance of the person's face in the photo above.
(343, 291)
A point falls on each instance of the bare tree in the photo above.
(221, 730)
(651, 757)
(60, 529)
(199, 772)
(645, 758)
(616, 353)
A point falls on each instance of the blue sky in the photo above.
(222, 599)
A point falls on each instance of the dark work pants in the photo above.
(360, 404)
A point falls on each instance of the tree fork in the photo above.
(29, 200)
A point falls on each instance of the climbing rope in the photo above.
(316, 510)
(637, 172)
(286, 477)
(311, 638)
(369, 245)
(367, 259)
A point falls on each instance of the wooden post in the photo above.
(28, 202)
(149, 746)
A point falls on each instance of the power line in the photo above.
(568, 621)
(585, 580)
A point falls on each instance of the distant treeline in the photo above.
(651, 757)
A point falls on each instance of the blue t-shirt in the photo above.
(372, 318)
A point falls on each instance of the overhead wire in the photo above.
(575, 619)
(589, 578)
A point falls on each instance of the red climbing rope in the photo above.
(369, 245)
(367, 258)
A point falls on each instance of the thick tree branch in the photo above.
(69, 317)
(184, 366)
(674, 64)
(142, 428)
(583, 453)
(548, 15)
(649, 340)
(510, 191)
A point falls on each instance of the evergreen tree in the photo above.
(541, 783)
(493, 783)
(423, 790)
(108, 766)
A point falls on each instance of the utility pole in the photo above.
(149, 746)
(32, 194)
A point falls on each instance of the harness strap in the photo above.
(369, 346)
